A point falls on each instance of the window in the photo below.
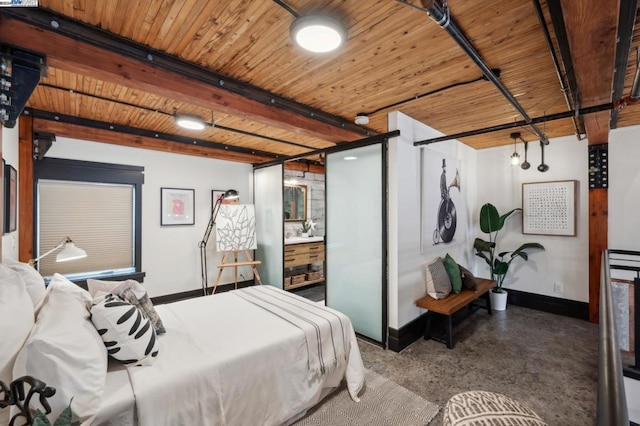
(98, 206)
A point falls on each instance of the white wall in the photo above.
(170, 254)
(10, 155)
(566, 259)
(624, 191)
(406, 279)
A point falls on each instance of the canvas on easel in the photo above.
(236, 233)
(236, 228)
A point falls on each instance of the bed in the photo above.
(258, 355)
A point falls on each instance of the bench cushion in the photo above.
(437, 279)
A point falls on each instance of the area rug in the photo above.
(382, 402)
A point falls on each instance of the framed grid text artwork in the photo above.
(549, 208)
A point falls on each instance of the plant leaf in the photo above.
(505, 216)
(500, 268)
(481, 245)
(39, 419)
(489, 219)
(65, 417)
(526, 246)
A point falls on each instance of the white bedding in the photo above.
(226, 361)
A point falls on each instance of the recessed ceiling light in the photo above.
(191, 122)
(350, 158)
(318, 33)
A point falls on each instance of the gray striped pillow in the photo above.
(437, 279)
(128, 335)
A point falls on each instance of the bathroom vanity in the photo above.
(300, 256)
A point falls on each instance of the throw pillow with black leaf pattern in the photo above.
(128, 335)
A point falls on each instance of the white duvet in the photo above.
(227, 361)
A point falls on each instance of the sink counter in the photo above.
(302, 240)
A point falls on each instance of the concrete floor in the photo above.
(547, 362)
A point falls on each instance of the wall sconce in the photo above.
(317, 33)
(69, 252)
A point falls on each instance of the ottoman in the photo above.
(480, 408)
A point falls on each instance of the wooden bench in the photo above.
(452, 304)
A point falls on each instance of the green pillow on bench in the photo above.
(453, 270)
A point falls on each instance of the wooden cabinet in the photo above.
(302, 256)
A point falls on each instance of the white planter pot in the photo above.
(498, 300)
(304, 235)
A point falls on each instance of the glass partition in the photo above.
(356, 237)
(269, 224)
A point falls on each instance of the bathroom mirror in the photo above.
(295, 203)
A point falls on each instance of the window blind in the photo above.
(98, 217)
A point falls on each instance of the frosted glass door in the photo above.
(355, 238)
(267, 192)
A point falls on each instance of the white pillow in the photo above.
(128, 335)
(65, 351)
(16, 321)
(32, 278)
(133, 292)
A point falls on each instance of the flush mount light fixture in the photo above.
(350, 158)
(191, 122)
(362, 119)
(318, 33)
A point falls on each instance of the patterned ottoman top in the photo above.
(487, 409)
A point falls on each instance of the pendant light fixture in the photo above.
(317, 33)
(515, 157)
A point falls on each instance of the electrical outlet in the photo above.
(557, 288)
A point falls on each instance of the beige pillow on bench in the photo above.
(437, 279)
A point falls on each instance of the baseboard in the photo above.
(414, 330)
(631, 372)
(553, 305)
(407, 334)
(174, 297)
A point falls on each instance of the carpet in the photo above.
(382, 402)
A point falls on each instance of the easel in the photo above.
(235, 264)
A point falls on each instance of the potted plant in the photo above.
(307, 227)
(491, 222)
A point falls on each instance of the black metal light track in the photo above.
(68, 119)
(218, 126)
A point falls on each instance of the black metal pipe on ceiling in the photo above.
(626, 25)
(440, 14)
(556, 64)
(521, 123)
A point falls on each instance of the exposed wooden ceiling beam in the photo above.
(591, 29)
(97, 58)
(134, 141)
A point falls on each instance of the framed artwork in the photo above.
(215, 196)
(549, 208)
(176, 206)
(10, 198)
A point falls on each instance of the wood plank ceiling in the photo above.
(394, 54)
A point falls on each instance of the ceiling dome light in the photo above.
(191, 122)
(318, 33)
(362, 119)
